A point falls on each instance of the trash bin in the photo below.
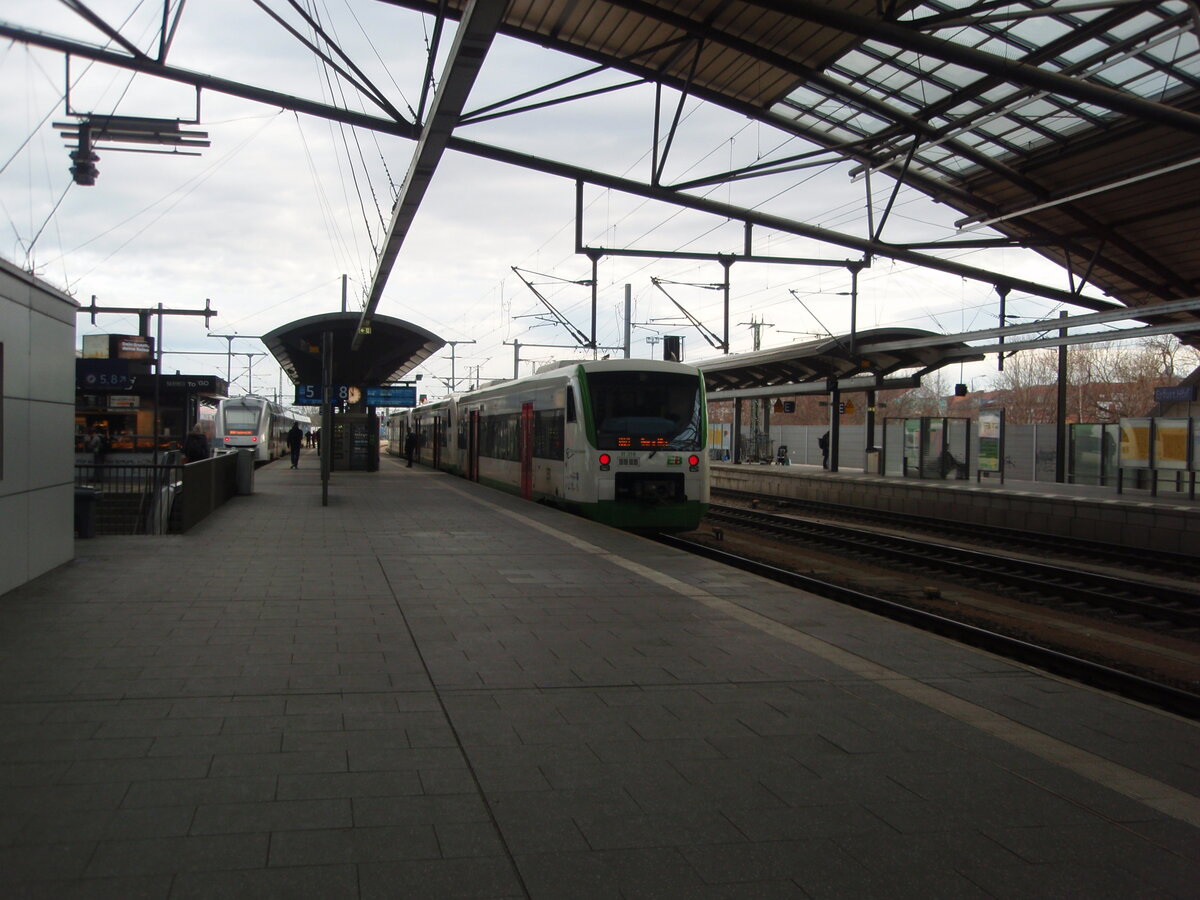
(85, 511)
(245, 472)
(871, 467)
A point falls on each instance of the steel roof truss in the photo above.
(359, 80)
(472, 41)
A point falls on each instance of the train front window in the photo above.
(241, 420)
(646, 410)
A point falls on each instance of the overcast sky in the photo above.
(266, 220)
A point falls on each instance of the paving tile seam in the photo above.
(1144, 789)
(483, 795)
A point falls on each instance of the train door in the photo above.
(527, 451)
(473, 445)
(438, 436)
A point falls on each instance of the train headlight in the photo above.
(605, 462)
(694, 463)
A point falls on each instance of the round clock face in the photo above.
(353, 395)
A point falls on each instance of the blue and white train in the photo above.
(620, 441)
(257, 423)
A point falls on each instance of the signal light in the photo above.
(84, 171)
(605, 460)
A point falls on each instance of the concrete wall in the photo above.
(37, 414)
(1128, 523)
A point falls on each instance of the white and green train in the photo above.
(620, 441)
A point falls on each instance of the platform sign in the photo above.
(311, 394)
(392, 395)
(1171, 443)
(1135, 444)
(1179, 393)
(373, 395)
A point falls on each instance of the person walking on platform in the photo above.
(195, 445)
(823, 443)
(410, 446)
(295, 440)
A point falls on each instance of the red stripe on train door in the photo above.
(527, 450)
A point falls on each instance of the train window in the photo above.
(241, 419)
(646, 410)
(570, 403)
(499, 436)
(548, 434)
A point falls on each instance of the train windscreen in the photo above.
(646, 410)
(241, 419)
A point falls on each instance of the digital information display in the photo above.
(378, 395)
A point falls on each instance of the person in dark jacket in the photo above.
(410, 447)
(823, 443)
(295, 440)
(195, 445)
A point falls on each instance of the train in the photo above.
(257, 423)
(620, 441)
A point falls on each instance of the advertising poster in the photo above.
(990, 427)
(1135, 443)
(1171, 444)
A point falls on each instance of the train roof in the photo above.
(563, 369)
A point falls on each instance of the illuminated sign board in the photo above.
(373, 395)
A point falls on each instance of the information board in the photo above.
(991, 429)
(1135, 443)
(1171, 443)
(392, 395)
(374, 395)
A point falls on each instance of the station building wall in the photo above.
(37, 414)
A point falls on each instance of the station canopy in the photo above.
(391, 350)
(854, 362)
(1067, 127)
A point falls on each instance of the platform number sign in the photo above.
(350, 394)
(312, 395)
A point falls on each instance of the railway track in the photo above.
(1008, 539)
(1182, 701)
(1154, 604)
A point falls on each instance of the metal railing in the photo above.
(152, 498)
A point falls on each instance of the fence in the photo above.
(1030, 453)
(151, 498)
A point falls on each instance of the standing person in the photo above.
(295, 440)
(195, 445)
(823, 443)
(410, 446)
(98, 444)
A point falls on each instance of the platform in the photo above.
(431, 689)
(1169, 522)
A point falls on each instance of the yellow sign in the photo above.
(849, 407)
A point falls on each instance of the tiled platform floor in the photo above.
(429, 689)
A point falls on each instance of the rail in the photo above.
(1177, 700)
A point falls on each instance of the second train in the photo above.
(620, 441)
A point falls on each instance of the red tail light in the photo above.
(694, 462)
(605, 460)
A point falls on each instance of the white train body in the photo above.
(620, 441)
(255, 423)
